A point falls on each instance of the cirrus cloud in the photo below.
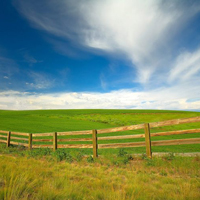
(142, 31)
(162, 98)
(146, 33)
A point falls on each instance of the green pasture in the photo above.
(41, 121)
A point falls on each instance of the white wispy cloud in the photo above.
(40, 81)
(162, 98)
(142, 31)
(8, 67)
(30, 59)
(103, 82)
(13, 77)
(186, 66)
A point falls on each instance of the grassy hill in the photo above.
(41, 121)
(70, 120)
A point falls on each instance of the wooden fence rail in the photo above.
(56, 141)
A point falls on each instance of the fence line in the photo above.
(27, 139)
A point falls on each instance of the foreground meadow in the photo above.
(108, 177)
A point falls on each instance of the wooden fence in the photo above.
(27, 139)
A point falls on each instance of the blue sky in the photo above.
(100, 54)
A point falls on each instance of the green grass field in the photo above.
(41, 121)
(118, 174)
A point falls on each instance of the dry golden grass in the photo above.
(106, 178)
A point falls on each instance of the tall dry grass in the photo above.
(106, 178)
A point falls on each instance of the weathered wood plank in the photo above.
(176, 142)
(148, 140)
(94, 142)
(176, 132)
(19, 143)
(42, 146)
(122, 137)
(18, 133)
(123, 128)
(3, 136)
(75, 139)
(64, 133)
(121, 145)
(75, 133)
(42, 134)
(6, 132)
(18, 138)
(4, 141)
(174, 122)
(42, 140)
(75, 146)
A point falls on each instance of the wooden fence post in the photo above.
(95, 145)
(8, 139)
(148, 140)
(54, 141)
(30, 141)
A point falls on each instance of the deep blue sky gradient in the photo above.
(81, 70)
(37, 61)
